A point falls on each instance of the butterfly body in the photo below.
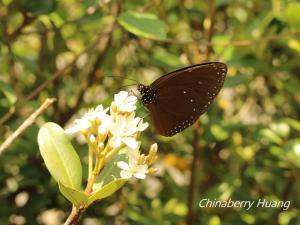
(147, 93)
(176, 100)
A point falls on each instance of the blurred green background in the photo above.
(246, 147)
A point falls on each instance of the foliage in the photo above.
(248, 140)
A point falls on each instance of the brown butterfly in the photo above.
(176, 100)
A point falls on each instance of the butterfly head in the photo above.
(147, 93)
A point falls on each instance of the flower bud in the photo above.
(152, 156)
(152, 170)
(142, 160)
(101, 146)
(92, 139)
(113, 108)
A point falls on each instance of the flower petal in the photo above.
(72, 130)
(132, 98)
(123, 165)
(115, 141)
(139, 175)
(130, 142)
(143, 168)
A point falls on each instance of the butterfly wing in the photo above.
(211, 73)
(183, 95)
(170, 117)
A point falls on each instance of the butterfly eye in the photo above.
(140, 87)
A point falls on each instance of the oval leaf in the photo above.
(107, 190)
(7, 90)
(166, 60)
(144, 25)
(219, 132)
(281, 128)
(293, 152)
(291, 15)
(76, 197)
(59, 155)
(39, 7)
(270, 136)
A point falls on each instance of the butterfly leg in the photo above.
(131, 92)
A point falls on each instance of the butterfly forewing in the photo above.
(207, 73)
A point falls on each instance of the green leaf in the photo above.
(218, 43)
(271, 136)
(8, 92)
(59, 42)
(292, 86)
(166, 60)
(292, 15)
(219, 132)
(144, 25)
(232, 81)
(280, 128)
(59, 155)
(295, 124)
(107, 190)
(76, 197)
(39, 7)
(293, 152)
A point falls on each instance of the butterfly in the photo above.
(176, 100)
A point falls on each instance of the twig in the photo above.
(74, 216)
(192, 186)
(61, 27)
(285, 193)
(31, 119)
(28, 19)
(11, 59)
(191, 216)
(259, 40)
(240, 43)
(46, 83)
(89, 73)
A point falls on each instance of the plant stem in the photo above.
(92, 177)
(103, 40)
(74, 216)
(112, 153)
(90, 162)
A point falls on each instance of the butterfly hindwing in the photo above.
(170, 118)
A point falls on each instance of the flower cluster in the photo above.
(107, 130)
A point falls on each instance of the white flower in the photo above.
(132, 168)
(124, 130)
(81, 125)
(97, 115)
(125, 102)
(105, 124)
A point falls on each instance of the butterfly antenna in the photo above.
(120, 88)
(124, 78)
(142, 118)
